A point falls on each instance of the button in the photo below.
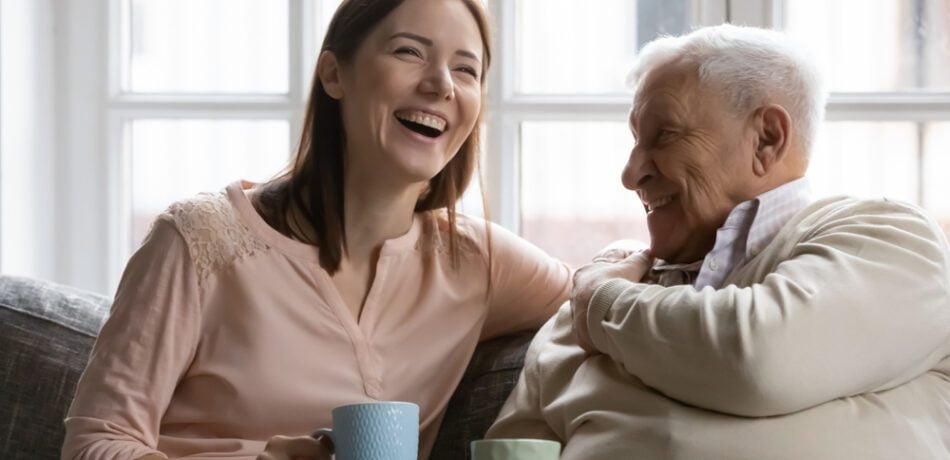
(713, 265)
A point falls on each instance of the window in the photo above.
(152, 101)
(887, 65)
(202, 92)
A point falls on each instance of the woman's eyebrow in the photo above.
(428, 42)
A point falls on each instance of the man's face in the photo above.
(691, 162)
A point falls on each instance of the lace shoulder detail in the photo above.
(213, 231)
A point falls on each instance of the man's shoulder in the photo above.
(855, 210)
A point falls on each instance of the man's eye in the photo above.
(665, 134)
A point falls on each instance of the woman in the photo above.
(253, 312)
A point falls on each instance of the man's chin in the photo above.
(661, 245)
(660, 251)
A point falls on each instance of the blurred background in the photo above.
(112, 109)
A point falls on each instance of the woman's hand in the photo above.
(297, 448)
(590, 277)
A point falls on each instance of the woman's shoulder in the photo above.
(474, 235)
(470, 232)
(213, 231)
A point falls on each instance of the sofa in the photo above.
(47, 331)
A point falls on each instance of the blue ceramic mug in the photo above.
(386, 430)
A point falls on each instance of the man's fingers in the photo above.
(637, 265)
(619, 250)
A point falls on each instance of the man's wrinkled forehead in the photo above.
(672, 82)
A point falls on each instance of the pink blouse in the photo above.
(225, 332)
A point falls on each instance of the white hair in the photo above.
(749, 67)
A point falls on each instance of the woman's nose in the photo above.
(438, 82)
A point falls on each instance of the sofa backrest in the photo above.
(46, 334)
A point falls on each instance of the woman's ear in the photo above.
(773, 130)
(328, 71)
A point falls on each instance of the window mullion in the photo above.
(759, 13)
(501, 152)
(298, 32)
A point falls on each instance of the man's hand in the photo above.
(297, 448)
(589, 277)
(619, 250)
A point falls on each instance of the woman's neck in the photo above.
(374, 213)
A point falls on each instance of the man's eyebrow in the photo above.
(428, 42)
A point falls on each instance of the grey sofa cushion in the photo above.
(47, 333)
(491, 375)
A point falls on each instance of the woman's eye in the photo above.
(408, 51)
(469, 70)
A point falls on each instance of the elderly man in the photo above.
(759, 323)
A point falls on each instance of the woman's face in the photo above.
(411, 94)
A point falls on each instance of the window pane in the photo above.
(176, 159)
(936, 169)
(573, 203)
(566, 46)
(208, 46)
(324, 15)
(876, 45)
(867, 159)
(472, 201)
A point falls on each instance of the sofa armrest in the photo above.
(46, 334)
(491, 375)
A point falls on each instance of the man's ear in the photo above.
(328, 71)
(773, 132)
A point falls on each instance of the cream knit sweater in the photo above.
(833, 342)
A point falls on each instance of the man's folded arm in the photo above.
(861, 305)
(521, 416)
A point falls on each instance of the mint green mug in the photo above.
(516, 449)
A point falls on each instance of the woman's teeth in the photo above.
(423, 119)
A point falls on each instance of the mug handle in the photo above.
(325, 432)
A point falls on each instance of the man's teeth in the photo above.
(659, 203)
(423, 119)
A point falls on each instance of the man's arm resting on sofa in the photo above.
(522, 415)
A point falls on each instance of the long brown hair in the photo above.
(313, 183)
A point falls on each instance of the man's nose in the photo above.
(638, 171)
(438, 82)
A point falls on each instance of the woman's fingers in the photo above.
(296, 448)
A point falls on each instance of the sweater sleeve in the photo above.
(141, 353)
(862, 304)
(526, 285)
(522, 416)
